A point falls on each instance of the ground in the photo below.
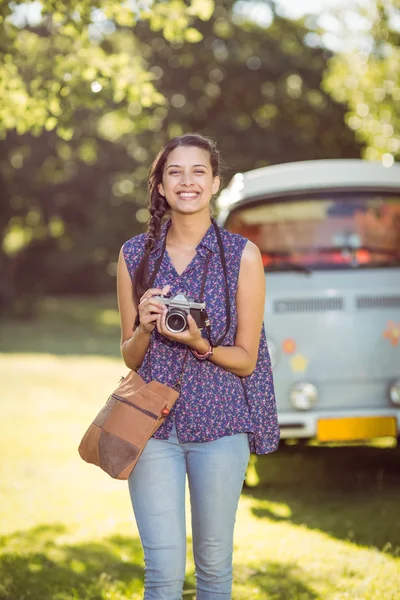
(323, 523)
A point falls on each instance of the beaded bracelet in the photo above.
(204, 356)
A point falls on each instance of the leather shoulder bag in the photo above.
(133, 412)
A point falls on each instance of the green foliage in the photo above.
(257, 90)
(65, 62)
(90, 96)
(370, 84)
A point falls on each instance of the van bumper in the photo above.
(349, 425)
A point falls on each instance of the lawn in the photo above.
(324, 524)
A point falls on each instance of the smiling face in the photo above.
(188, 182)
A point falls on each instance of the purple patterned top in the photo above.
(213, 402)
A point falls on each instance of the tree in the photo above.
(71, 200)
(257, 89)
(71, 81)
(65, 62)
(369, 82)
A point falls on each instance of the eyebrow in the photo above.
(180, 166)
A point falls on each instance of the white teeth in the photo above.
(187, 195)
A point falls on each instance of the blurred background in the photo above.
(89, 91)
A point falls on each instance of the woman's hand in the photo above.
(191, 336)
(150, 310)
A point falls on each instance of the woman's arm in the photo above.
(241, 358)
(134, 345)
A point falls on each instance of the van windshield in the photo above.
(333, 230)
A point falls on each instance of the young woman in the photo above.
(226, 408)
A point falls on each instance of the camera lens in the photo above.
(176, 321)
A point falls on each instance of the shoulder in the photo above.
(252, 272)
(233, 242)
(242, 248)
(135, 244)
(251, 254)
(132, 251)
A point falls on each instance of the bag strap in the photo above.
(177, 386)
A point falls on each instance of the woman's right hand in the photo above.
(149, 308)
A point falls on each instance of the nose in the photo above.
(186, 178)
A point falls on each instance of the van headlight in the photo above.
(303, 396)
(394, 392)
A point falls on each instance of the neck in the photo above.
(188, 230)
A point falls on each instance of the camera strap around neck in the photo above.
(201, 298)
(178, 384)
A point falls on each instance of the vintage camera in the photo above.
(179, 307)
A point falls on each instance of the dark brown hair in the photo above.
(158, 206)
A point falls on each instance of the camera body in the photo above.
(179, 307)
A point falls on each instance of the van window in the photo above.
(334, 230)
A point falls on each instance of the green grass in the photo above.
(325, 524)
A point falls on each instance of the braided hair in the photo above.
(158, 206)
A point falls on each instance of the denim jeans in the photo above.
(215, 471)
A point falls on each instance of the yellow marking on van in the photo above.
(299, 363)
(355, 428)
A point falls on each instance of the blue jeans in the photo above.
(215, 471)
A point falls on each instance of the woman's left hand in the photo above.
(192, 336)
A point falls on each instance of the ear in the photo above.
(216, 184)
(161, 189)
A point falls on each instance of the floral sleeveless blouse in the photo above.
(213, 402)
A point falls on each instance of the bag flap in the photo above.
(168, 394)
(155, 395)
(131, 383)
